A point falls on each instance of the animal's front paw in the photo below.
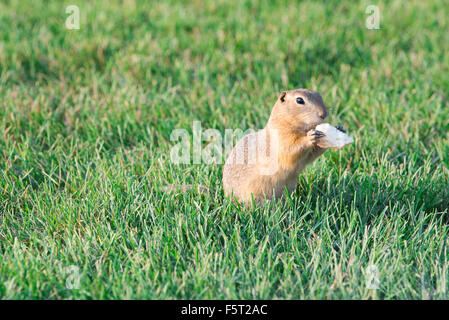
(314, 136)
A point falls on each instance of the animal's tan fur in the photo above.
(291, 144)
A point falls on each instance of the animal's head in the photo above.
(299, 110)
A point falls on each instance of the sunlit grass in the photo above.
(85, 122)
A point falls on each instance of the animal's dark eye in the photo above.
(300, 100)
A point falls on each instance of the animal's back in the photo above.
(243, 172)
(240, 164)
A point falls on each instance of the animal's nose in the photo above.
(324, 114)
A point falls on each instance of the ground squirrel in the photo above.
(264, 163)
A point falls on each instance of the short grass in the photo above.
(85, 123)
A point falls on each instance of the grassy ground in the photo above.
(85, 123)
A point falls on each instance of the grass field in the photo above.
(86, 117)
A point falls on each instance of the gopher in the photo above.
(264, 163)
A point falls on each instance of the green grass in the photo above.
(85, 123)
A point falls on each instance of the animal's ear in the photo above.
(282, 96)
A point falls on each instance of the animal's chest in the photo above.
(287, 176)
(291, 165)
(293, 161)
